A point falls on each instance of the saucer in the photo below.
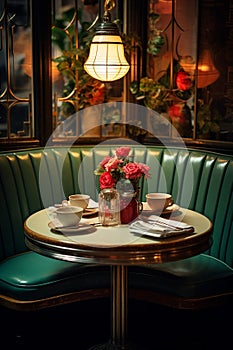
(89, 212)
(80, 228)
(148, 211)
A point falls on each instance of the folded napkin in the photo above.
(92, 204)
(159, 227)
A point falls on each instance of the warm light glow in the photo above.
(106, 61)
(204, 68)
(164, 7)
(207, 72)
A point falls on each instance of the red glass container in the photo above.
(130, 207)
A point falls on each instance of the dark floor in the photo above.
(82, 325)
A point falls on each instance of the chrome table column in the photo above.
(119, 300)
(119, 306)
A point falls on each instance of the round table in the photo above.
(117, 247)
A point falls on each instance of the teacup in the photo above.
(159, 201)
(77, 200)
(70, 215)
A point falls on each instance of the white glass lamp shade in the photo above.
(106, 61)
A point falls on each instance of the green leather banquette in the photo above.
(33, 179)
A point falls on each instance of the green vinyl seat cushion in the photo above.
(195, 277)
(30, 276)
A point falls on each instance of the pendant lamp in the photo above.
(106, 61)
(207, 72)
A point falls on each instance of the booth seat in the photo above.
(33, 179)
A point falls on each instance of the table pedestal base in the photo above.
(119, 295)
(109, 346)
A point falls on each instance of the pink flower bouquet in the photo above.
(120, 171)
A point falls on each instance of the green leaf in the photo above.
(134, 87)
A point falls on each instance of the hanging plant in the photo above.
(170, 103)
(157, 95)
(155, 44)
(156, 39)
(208, 118)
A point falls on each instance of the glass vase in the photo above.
(109, 207)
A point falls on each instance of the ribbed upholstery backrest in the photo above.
(31, 180)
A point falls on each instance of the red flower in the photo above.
(122, 151)
(97, 98)
(119, 171)
(112, 164)
(176, 113)
(106, 180)
(183, 81)
(105, 161)
(97, 95)
(132, 171)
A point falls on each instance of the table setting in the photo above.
(151, 223)
(119, 205)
